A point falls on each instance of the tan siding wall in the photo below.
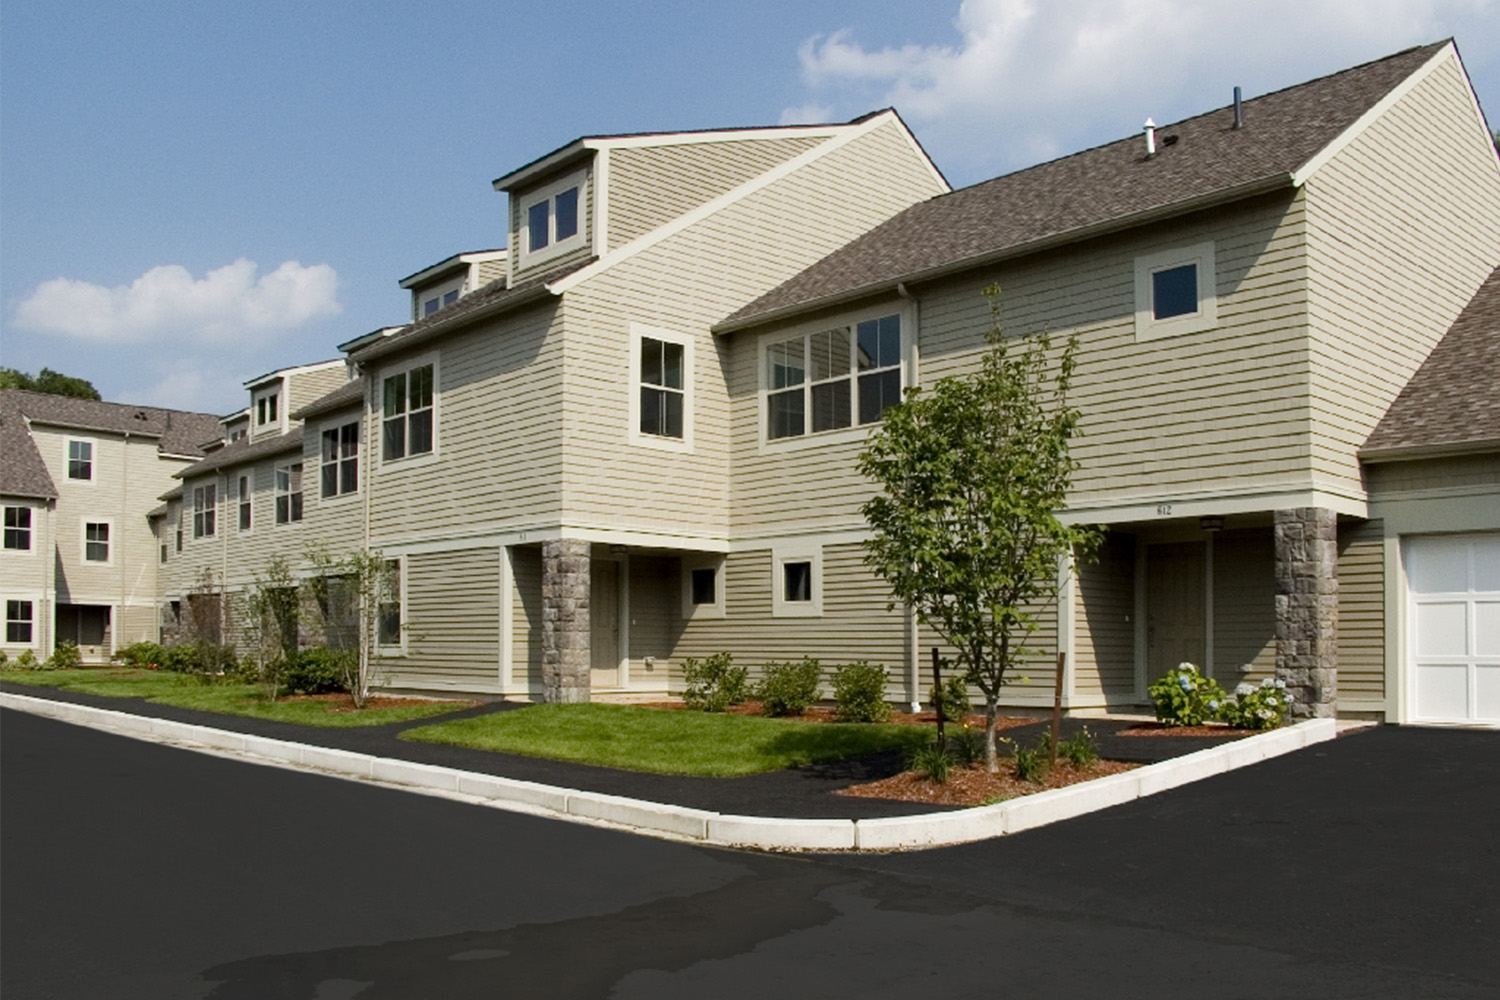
(487, 271)
(1244, 614)
(651, 185)
(1402, 229)
(1104, 630)
(684, 284)
(452, 623)
(334, 523)
(1224, 408)
(1361, 632)
(1433, 474)
(524, 268)
(304, 387)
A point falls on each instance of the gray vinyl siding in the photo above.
(1220, 409)
(1103, 622)
(1361, 629)
(684, 284)
(1401, 231)
(1244, 606)
(451, 623)
(651, 185)
(526, 269)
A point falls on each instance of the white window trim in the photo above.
(398, 648)
(83, 541)
(856, 431)
(359, 455)
(375, 440)
(32, 548)
(419, 299)
(554, 248)
(36, 601)
(279, 424)
(1147, 326)
(192, 497)
(690, 562)
(809, 552)
(239, 499)
(276, 469)
(685, 443)
(93, 460)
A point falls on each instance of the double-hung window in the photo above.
(289, 493)
(246, 501)
(340, 466)
(205, 510)
(18, 619)
(831, 379)
(388, 603)
(265, 410)
(406, 413)
(18, 528)
(661, 388)
(96, 541)
(81, 460)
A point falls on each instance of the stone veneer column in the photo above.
(1307, 609)
(565, 620)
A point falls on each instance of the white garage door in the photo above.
(1453, 654)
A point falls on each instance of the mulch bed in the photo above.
(1158, 729)
(974, 786)
(344, 702)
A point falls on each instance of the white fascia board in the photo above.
(1301, 175)
(292, 370)
(1169, 506)
(842, 136)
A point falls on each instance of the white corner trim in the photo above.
(837, 140)
(1301, 175)
(600, 191)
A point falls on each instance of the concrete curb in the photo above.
(696, 825)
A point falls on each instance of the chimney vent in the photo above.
(1150, 137)
(1239, 110)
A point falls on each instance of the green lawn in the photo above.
(184, 691)
(664, 741)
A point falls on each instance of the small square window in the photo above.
(1174, 291)
(705, 586)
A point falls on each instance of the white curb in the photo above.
(697, 825)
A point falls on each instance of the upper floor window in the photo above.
(661, 395)
(96, 541)
(266, 410)
(81, 460)
(18, 528)
(1175, 292)
(436, 302)
(340, 468)
(205, 510)
(289, 493)
(406, 413)
(830, 379)
(550, 218)
(236, 434)
(244, 496)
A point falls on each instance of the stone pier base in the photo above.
(565, 621)
(1307, 609)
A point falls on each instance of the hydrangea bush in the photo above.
(1184, 697)
(1263, 707)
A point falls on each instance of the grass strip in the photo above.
(665, 741)
(188, 691)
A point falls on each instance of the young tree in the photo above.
(273, 613)
(965, 530)
(356, 594)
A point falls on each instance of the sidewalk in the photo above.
(793, 809)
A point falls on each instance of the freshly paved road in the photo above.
(1366, 867)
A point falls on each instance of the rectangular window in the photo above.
(179, 531)
(18, 618)
(796, 582)
(831, 379)
(205, 511)
(163, 552)
(431, 306)
(406, 410)
(450, 297)
(265, 410)
(389, 604)
(661, 388)
(96, 541)
(551, 218)
(289, 493)
(340, 467)
(705, 583)
(18, 528)
(565, 215)
(80, 460)
(246, 501)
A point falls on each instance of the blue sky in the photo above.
(192, 194)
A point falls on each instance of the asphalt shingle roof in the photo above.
(245, 450)
(1453, 400)
(23, 473)
(349, 393)
(180, 432)
(1082, 194)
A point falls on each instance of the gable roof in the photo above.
(1199, 162)
(22, 471)
(179, 432)
(244, 450)
(1452, 404)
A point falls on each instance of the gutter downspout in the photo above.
(913, 646)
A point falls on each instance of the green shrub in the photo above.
(65, 656)
(142, 654)
(859, 690)
(1080, 749)
(319, 670)
(1263, 707)
(26, 661)
(955, 698)
(1032, 762)
(3, 658)
(713, 682)
(1184, 697)
(968, 745)
(788, 688)
(181, 658)
(931, 761)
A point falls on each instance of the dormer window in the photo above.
(266, 410)
(433, 303)
(550, 219)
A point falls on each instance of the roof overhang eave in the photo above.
(391, 345)
(1442, 449)
(1263, 185)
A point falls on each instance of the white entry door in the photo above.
(1453, 650)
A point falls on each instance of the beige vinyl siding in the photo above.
(1103, 621)
(499, 450)
(26, 570)
(306, 386)
(526, 268)
(335, 523)
(451, 623)
(1221, 409)
(651, 185)
(685, 283)
(1402, 228)
(1453, 472)
(1244, 606)
(487, 271)
(526, 619)
(1361, 629)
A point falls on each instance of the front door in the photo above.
(604, 627)
(87, 627)
(1175, 618)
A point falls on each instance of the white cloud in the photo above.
(223, 305)
(1026, 80)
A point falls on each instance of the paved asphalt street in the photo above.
(1366, 867)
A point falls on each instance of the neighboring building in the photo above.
(77, 480)
(639, 443)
